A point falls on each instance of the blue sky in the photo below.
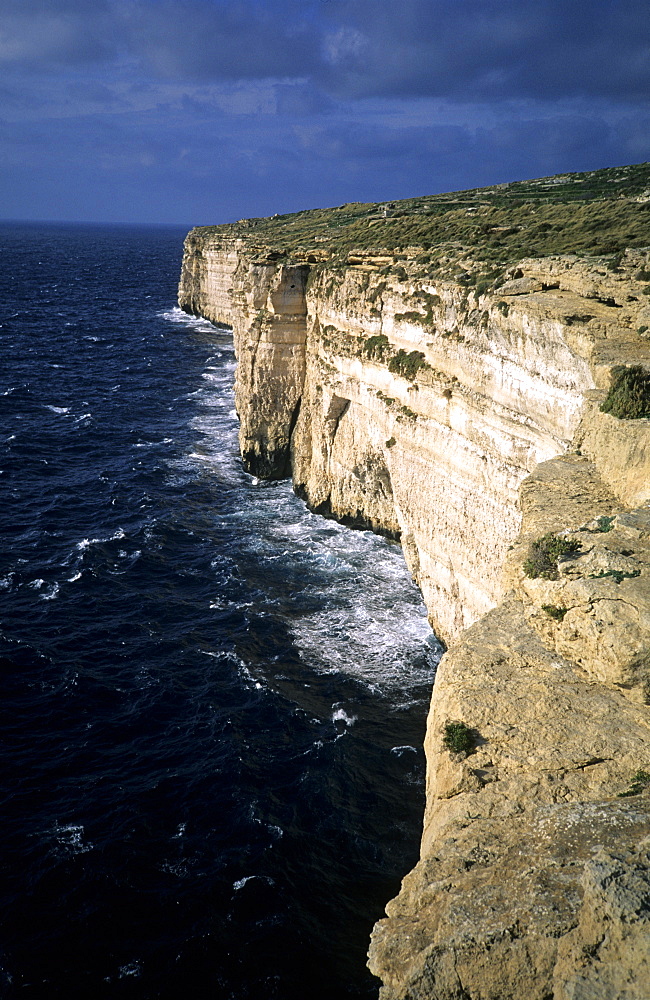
(205, 111)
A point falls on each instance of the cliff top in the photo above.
(597, 213)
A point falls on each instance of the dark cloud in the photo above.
(490, 49)
(207, 40)
(459, 49)
(60, 33)
(208, 110)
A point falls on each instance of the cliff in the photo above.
(433, 370)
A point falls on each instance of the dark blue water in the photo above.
(212, 700)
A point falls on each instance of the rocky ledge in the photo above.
(435, 370)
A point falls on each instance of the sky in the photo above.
(198, 112)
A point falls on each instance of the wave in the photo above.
(177, 316)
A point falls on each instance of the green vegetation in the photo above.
(544, 553)
(407, 365)
(459, 738)
(595, 213)
(391, 442)
(554, 612)
(639, 782)
(411, 317)
(377, 347)
(605, 523)
(629, 393)
(617, 575)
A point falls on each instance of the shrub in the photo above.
(544, 553)
(391, 442)
(639, 781)
(411, 317)
(554, 612)
(629, 393)
(405, 364)
(617, 575)
(604, 523)
(459, 738)
(376, 347)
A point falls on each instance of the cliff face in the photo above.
(464, 419)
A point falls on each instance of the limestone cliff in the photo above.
(449, 395)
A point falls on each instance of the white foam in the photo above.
(241, 882)
(130, 969)
(85, 543)
(50, 593)
(359, 612)
(340, 715)
(57, 409)
(71, 838)
(180, 318)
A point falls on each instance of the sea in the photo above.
(213, 701)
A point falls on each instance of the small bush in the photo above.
(391, 442)
(604, 523)
(629, 393)
(639, 781)
(405, 364)
(459, 738)
(554, 612)
(544, 553)
(617, 575)
(376, 347)
(411, 317)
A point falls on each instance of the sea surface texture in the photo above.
(213, 701)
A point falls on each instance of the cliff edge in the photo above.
(434, 370)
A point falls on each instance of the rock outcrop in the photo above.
(464, 418)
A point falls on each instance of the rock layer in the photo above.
(466, 422)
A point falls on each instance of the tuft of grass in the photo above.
(554, 612)
(544, 553)
(639, 781)
(459, 737)
(629, 393)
